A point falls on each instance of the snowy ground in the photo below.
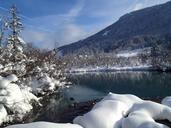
(133, 53)
(94, 69)
(116, 111)
(45, 125)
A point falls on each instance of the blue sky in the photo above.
(67, 21)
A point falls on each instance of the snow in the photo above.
(30, 69)
(115, 111)
(143, 115)
(129, 54)
(14, 98)
(21, 40)
(105, 33)
(110, 68)
(140, 67)
(133, 53)
(124, 111)
(12, 78)
(1, 66)
(44, 83)
(45, 125)
(3, 114)
(126, 98)
(20, 48)
(167, 101)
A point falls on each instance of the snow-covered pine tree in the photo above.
(1, 31)
(39, 70)
(13, 58)
(15, 43)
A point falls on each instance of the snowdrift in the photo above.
(167, 101)
(116, 111)
(124, 111)
(45, 125)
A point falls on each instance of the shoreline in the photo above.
(71, 111)
(117, 69)
(78, 109)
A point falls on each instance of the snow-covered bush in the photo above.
(38, 69)
(124, 111)
(32, 73)
(45, 68)
(15, 101)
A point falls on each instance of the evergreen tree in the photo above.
(15, 26)
(1, 31)
(15, 43)
(155, 56)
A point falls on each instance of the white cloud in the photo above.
(67, 34)
(137, 6)
(75, 11)
(39, 38)
(71, 33)
(64, 29)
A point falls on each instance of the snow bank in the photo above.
(167, 101)
(45, 125)
(129, 99)
(106, 114)
(116, 111)
(129, 54)
(124, 111)
(110, 68)
(14, 98)
(143, 115)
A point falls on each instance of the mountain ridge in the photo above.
(141, 28)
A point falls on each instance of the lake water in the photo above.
(96, 85)
(89, 86)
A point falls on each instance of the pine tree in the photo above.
(1, 31)
(15, 43)
(15, 26)
(155, 56)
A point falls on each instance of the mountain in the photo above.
(139, 29)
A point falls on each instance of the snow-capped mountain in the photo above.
(135, 30)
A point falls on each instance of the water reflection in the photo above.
(53, 107)
(143, 84)
(82, 93)
(91, 86)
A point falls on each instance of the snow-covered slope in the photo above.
(133, 53)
